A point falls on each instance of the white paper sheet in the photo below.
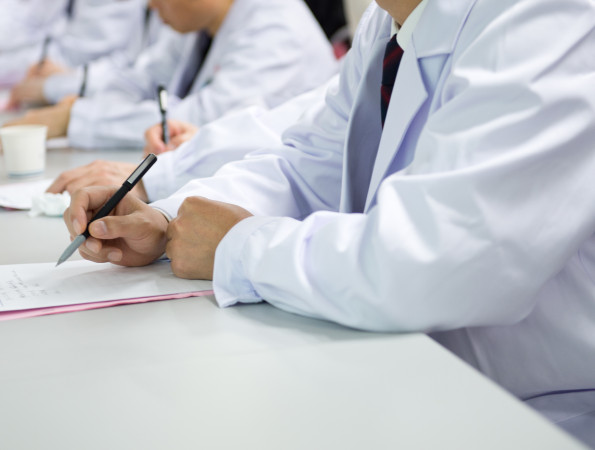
(61, 142)
(20, 195)
(28, 286)
(4, 98)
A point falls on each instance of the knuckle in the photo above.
(174, 225)
(191, 203)
(181, 271)
(177, 267)
(176, 232)
(76, 197)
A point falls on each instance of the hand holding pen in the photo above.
(179, 132)
(30, 89)
(107, 208)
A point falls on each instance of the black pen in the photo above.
(162, 98)
(111, 204)
(44, 52)
(83, 87)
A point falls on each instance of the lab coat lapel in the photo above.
(435, 36)
(409, 94)
(208, 68)
(220, 43)
(186, 72)
(186, 64)
(364, 134)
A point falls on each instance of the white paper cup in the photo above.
(24, 149)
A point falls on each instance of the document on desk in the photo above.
(20, 195)
(61, 142)
(36, 289)
(4, 98)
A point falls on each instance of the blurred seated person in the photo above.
(69, 33)
(49, 82)
(236, 53)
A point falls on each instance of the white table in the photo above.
(184, 374)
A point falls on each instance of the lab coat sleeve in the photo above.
(110, 121)
(99, 74)
(205, 153)
(279, 53)
(498, 197)
(58, 86)
(224, 140)
(294, 179)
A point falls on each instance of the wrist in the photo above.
(140, 191)
(161, 222)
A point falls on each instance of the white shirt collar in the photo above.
(405, 32)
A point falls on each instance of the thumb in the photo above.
(114, 227)
(176, 141)
(175, 128)
(13, 102)
(154, 142)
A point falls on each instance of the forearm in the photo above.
(422, 260)
(212, 147)
(225, 140)
(110, 122)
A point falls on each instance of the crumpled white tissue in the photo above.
(47, 204)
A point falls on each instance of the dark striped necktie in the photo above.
(70, 9)
(390, 65)
(201, 49)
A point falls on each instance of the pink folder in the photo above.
(21, 314)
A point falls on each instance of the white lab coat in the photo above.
(224, 140)
(101, 71)
(97, 28)
(28, 22)
(478, 198)
(265, 52)
(23, 28)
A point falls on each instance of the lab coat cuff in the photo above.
(167, 216)
(230, 282)
(169, 207)
(79, 124)
(186, 109)
(58, 86)
(159, 180)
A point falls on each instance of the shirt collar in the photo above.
(405, 32)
